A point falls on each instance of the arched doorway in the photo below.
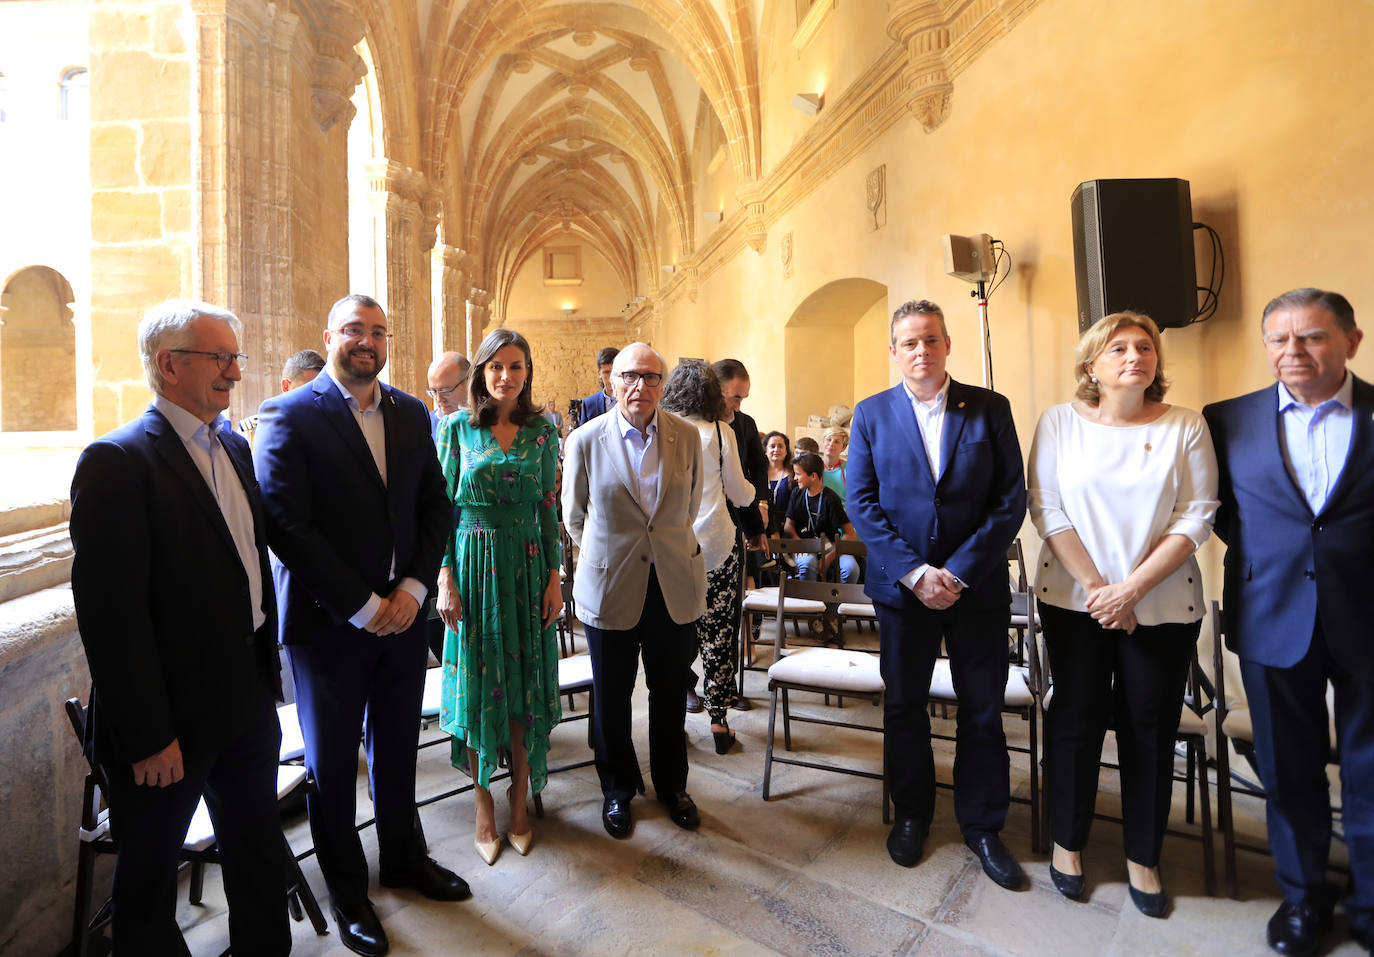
(37, 352)
(835, 348)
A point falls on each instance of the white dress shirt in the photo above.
(1317, 441)
(373, 427)
(930, 422)
(643, 449)
(1122, 489)
(212, 461)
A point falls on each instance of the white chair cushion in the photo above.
(292, 738)
(853, 671)
(766, 600)
(856, 610)
(201, 833)
(1016, 695)
(574, 672)
(1190, 722)
(289, 777)
(434, 688)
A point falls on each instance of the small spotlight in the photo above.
(809, 103)
(668, 267)
(713, 215)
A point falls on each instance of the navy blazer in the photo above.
(162, 596)
(965, 522)
(598, 403)
(331, 520)
(1285, 566)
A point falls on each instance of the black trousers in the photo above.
(349, 681)
(667, 649)
(239, 781)
(1291, 724)
(1135, 682)
(976, 638)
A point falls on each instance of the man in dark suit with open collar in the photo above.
(174, 604)
(1297, 516)
(937, 493)
(358, 516)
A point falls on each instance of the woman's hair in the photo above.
(809, 462)
(693, 390)
(786, 445)
(482, 406)
(807, 444)
(1092, 342)
(839, 430)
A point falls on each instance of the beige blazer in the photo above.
(617, 536)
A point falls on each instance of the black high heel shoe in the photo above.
(1151, 905)
(1070, 885)
(725, 740)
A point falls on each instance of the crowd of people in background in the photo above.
(397, 532)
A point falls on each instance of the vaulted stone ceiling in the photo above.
(541, 120)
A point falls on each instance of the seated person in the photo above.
(833, 445)
(807, 444)
(815, 512)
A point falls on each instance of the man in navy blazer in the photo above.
(1297, 516)
(358, 515)
(174, 604)
(601, 402)
(937, 493)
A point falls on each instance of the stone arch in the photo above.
(37, 352)
(819, 340)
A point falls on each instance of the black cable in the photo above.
(996, 264)
(1215, 278)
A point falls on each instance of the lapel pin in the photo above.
(961, 405)
(1148, 446)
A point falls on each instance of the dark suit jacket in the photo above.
(162, 596)
(966, 522)
(331, 520)
(593, 405)
(1284, 566)
(755, 465)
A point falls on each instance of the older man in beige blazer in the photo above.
(632, 484)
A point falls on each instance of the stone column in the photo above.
(479, 310)
(449, 266)
(920, 26)
(403, 289)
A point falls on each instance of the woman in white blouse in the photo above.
(693, 392)
(1123, 490)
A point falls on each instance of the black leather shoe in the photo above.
(1151, 905)
(683, 811)
(996, 860)
(906, 841)
(694, 705)
(431, 879)
(360, 930)
(1071, 886)
(1296, 929)
(741, 703)
(615, 817)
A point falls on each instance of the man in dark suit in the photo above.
(358, 516)
(937, 493)
(1297, 516)
(174, 604)
(600, 402)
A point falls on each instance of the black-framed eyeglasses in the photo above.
(651, 379)
(435, 393)
(355, 331)
(222, 359)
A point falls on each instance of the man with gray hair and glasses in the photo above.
(176, 611)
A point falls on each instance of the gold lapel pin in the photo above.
(1148, 446)
(961, 405)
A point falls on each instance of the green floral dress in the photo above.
(501, 665)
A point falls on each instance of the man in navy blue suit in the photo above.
(1297, 516)
(937, 493)
(601, 402)
(174, 604)
(358, 516)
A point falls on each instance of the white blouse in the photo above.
(715, 529)
(1122, 489)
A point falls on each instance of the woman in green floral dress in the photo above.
(498, 587)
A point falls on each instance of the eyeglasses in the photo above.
(354, 331)
(651, 379)
(222, 359)
(435, 393)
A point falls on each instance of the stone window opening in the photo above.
(4, 96)
(37, 352)
(74, 93)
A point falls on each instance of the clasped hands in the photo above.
(1113, 606)
(396, 614)
(938, 588)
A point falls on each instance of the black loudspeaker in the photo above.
(1133, 249)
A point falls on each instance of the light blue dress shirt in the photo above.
(1317, 440)
(644, 453)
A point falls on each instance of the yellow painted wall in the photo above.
(601, 292)
(874, 370)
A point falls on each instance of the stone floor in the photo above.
(804, 873)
